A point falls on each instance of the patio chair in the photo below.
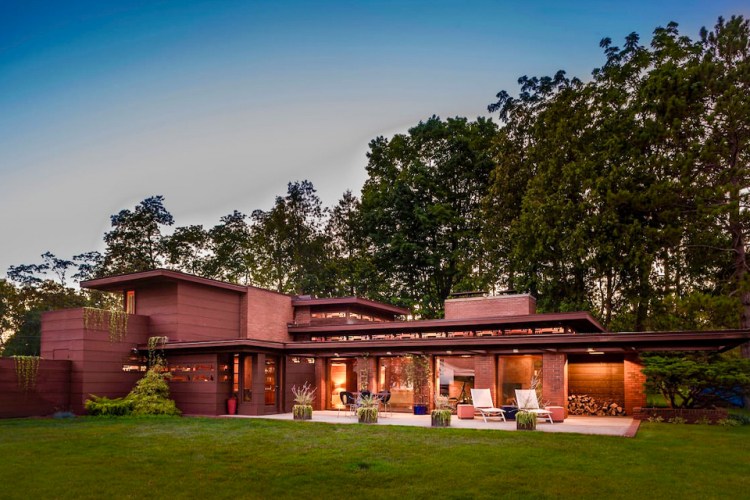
(349, 401)
(483, 404)
(527, 401)
(385, 398)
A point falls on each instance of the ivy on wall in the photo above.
(27, 368)
(156, 350)
(115, 322)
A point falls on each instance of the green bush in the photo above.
(105, 407)
(150, 396)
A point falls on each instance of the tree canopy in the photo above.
(624, 193)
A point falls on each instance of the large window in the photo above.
(455, 376)
(247, 378)
(392, 377)
(517, 372)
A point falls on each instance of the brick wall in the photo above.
(485, 374)
(635, 395)
(555, 379)
(488, 307)
(265, 315)
(302, 315)
(691, 415)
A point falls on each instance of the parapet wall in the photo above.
(490, 307)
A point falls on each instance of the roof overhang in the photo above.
(608, 343)
(132, 280)
(349, 301)
(578, 321)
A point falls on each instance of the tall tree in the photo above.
(288, 244)
(421, 207)
(136, 242)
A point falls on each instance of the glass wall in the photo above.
(517, 372)
(455, 377)
(392, 377)
(341, 377)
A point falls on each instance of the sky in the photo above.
(218, 105)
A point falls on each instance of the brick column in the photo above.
(635, 395)
(321, 383)
(555, 379)
(485, 374)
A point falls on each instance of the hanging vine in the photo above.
(156, 350)
(116, 322)
(27, 368)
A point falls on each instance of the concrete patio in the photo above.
(609, 426)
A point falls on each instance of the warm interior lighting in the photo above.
(295, 359)
(592, 351)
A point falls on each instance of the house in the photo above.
(221, 339)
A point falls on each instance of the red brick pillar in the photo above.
(485, 374)
(555, 379)
(635, 395)
(321, 383)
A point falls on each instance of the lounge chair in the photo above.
(527, 401)
(483, 404)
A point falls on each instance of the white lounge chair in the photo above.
(483, 403)
(527, 401)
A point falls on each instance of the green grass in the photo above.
(248, 458)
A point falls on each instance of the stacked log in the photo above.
(583, 404)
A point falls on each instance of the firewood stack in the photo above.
(582, 404)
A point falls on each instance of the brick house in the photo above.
(221, 339)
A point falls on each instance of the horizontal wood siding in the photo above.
(49, 394)
(158, 301)
(207, 313)
(602, 380)
(201, 398)
(96, 362)
(296, 375)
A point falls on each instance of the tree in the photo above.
(231, 256)
(689, 380)
(421, 209)
(288, 244)
(136, 242)
(350, 268)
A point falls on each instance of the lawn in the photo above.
(250, 458)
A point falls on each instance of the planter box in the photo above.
(465, 411)
(436, 422)
(690, 415)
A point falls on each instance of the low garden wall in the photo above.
(42, 392)
(690, 415)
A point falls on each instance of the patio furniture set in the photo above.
(351, 401)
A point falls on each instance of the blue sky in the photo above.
(217, 105)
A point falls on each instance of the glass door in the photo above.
(269, 383)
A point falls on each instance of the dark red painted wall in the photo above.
(48, 395)
(201, 397)
(96, 362)
(207, 313)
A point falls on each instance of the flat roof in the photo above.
(125, 281)
(345, 301)
(579, 321)
(594, 343)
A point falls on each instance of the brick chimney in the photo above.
(490, 307)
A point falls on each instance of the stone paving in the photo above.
(609, 426)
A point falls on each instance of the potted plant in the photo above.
(303, 396)
(441, 416)
(367, 413)
(417, 371)
(232, 405)
(525, 420)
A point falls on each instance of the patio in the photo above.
(607, 426)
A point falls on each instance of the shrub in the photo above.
(105, 407)
(150, 396)
(695, 380)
